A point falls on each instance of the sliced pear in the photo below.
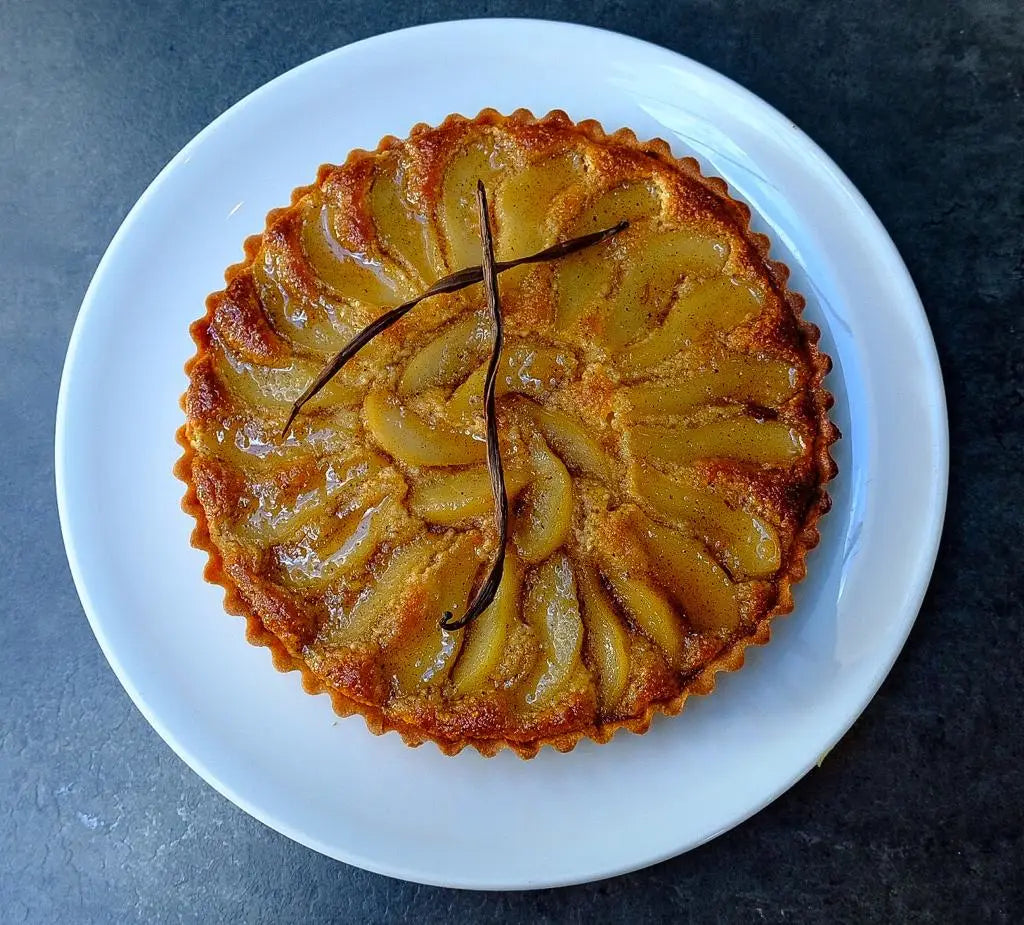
(544, 519)
(744, 439)
(279, 386)
(343, 549)
(484, 645)
(569, 439)
(447, 498)
(697, 583)
(412, 440)
(606, 639)
(523, 201)
(320, 324)
(449, 358)
(252, 444)
(633, 202)
(737, 378)
(651, 612)
(401, 228)
(526, 370)
(552, 610)
(581, 280)
(658, 263)
(480, 160)
(349, 275)
(283, 509)
(427, 659)
(378, 610)
(748, 545)
(718, 305)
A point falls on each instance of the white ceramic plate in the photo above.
(466, 821)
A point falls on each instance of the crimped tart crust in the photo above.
(695, 431)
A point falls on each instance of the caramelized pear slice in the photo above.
(583, 279)
(340, 551)
(631, 202)
(744, 439)
(484, 646)
(570, 441)
(553, 611)
(606, 639)
(347, 274)
(523, 201)
(654, 268)
(428, 657)
(412, 440)
(284, 507)
(544, 519)
(580, 281)
(696, 582)
(748, 545)
(402, 229)
(480, 160)
(651, 612)
(737, 377)
(447, 498)
(314, 322)
(250, 443)
(526, 370)
(718, 305)
(448, 358)
(278, 386)
(378, 611)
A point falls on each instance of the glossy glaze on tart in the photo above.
(662, 420)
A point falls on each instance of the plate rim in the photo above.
(916, 589)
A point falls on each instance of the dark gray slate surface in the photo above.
(917, 814)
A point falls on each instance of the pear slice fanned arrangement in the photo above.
(661, 422)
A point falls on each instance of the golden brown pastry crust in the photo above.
(285, 625)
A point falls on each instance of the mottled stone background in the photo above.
(917, 814)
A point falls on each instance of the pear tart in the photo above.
(660, 413)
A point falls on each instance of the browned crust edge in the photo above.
(703, 682)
